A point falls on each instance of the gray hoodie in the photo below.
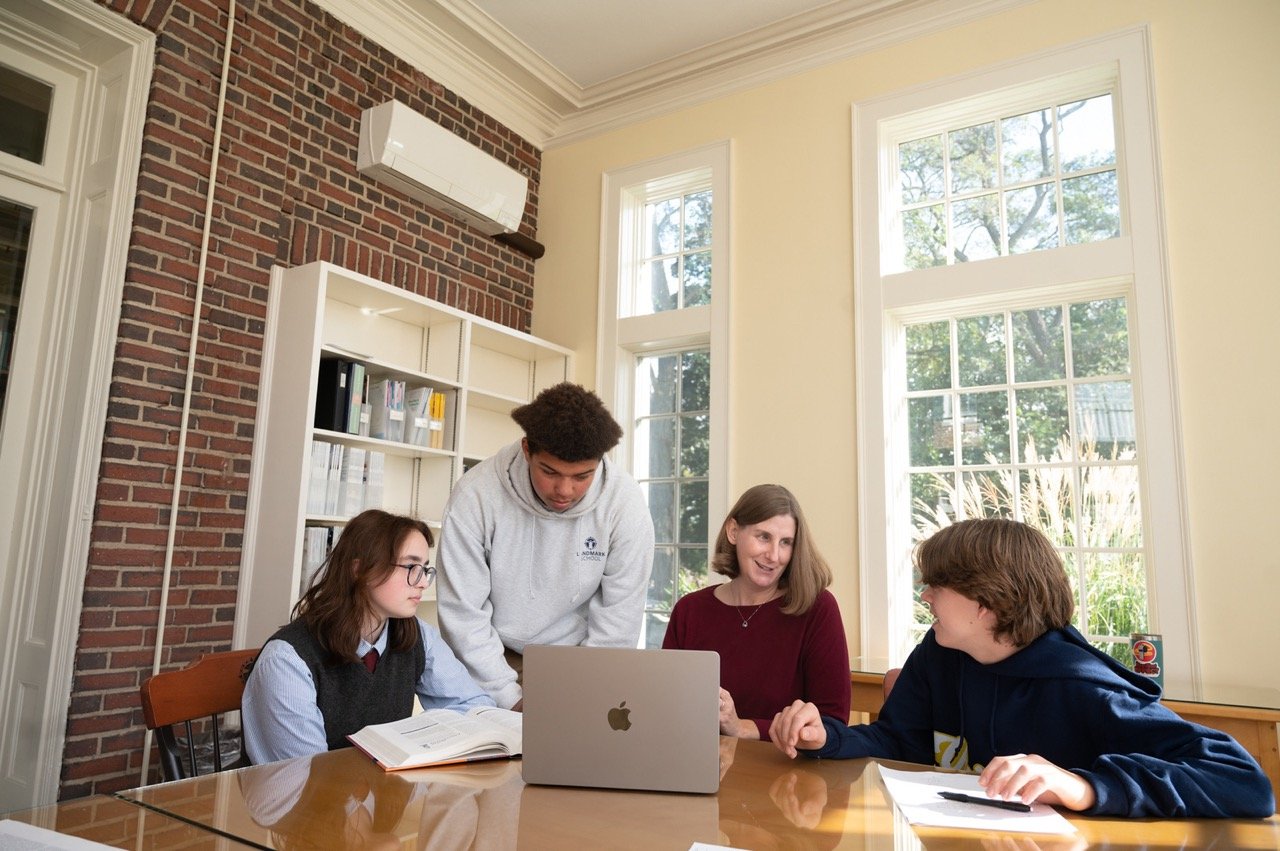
(513, 572)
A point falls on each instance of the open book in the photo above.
(442, 736)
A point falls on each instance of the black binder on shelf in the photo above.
(333, 394)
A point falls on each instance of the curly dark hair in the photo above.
(569, 422)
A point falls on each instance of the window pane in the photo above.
(930, 427)
(929, 356)
(1104, 417)
(693, 511)
(657, 287)
(1026, 146)
(25, 103)
(1033, 218)
(981, 350)
(987, 493)
(662, 582)
(696, 279)
(1100, 338)
(662, 508)
(15, 235)
(975, 228)
(697, 220)
(662, 225)
(1116, 599)
(656, 384)
(655, 449)
(1039, 352)
(1087, 136)
(695, 381)
(1091, 208)
(1110, 507)
(985, 434)
(693, 568)
(920, 169)
(1043, 423)
(924, 238)
(695, 445)
(1046, 500)
(655, 627)
(973, 157)
(932, 499)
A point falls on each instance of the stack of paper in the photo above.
(916, 795)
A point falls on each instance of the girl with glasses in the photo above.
(355, 653)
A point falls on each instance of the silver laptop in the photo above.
(613, 718)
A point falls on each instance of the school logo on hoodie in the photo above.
(591, 550)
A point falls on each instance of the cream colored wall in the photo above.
(792, 286)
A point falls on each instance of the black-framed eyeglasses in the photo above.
(417, 571)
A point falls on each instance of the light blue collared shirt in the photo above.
(281, 718)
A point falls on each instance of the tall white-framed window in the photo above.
(663, 354)
(1015, 353)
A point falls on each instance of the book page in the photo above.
(505, 718)
(439, 735)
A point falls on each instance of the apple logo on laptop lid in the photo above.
(620, 717)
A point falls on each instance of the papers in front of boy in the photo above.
(442, 736)
(916, 795)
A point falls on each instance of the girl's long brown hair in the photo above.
(337, 604)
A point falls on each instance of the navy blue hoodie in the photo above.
(1068, 702)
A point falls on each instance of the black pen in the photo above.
(986, 802)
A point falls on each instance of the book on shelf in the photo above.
(417, 419)
(317, 541)
(351, 489)
(442, 737)
(332, 394)
(333, 478)
(435, 414)
(318, 482)
(374, 471)
(355, 396)
(386, 414)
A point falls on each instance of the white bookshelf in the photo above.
(484, 369)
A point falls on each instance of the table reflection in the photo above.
(458, 807)
(791, 805)
(341, 799)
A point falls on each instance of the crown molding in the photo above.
(463, 49)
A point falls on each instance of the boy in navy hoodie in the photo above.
(1005, 686)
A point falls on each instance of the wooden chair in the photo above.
(207, 688)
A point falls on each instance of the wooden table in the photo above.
(1250, 716)
(112, 821)
(341, 799)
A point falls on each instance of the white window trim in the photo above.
(1135, 263)
(620, 340)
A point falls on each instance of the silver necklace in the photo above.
(746, 619)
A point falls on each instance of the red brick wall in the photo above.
(287, 192)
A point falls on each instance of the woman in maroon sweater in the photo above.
(776, 627)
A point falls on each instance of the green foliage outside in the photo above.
(1100, 541)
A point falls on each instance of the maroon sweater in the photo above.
(776, 659)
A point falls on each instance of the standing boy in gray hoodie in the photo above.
(546, 542)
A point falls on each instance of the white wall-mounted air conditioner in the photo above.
(412, 153)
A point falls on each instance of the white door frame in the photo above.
(101, 67)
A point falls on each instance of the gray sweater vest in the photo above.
(350, 698)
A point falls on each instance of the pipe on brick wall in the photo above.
(201, 273)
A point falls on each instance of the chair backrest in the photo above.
(207, 688)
